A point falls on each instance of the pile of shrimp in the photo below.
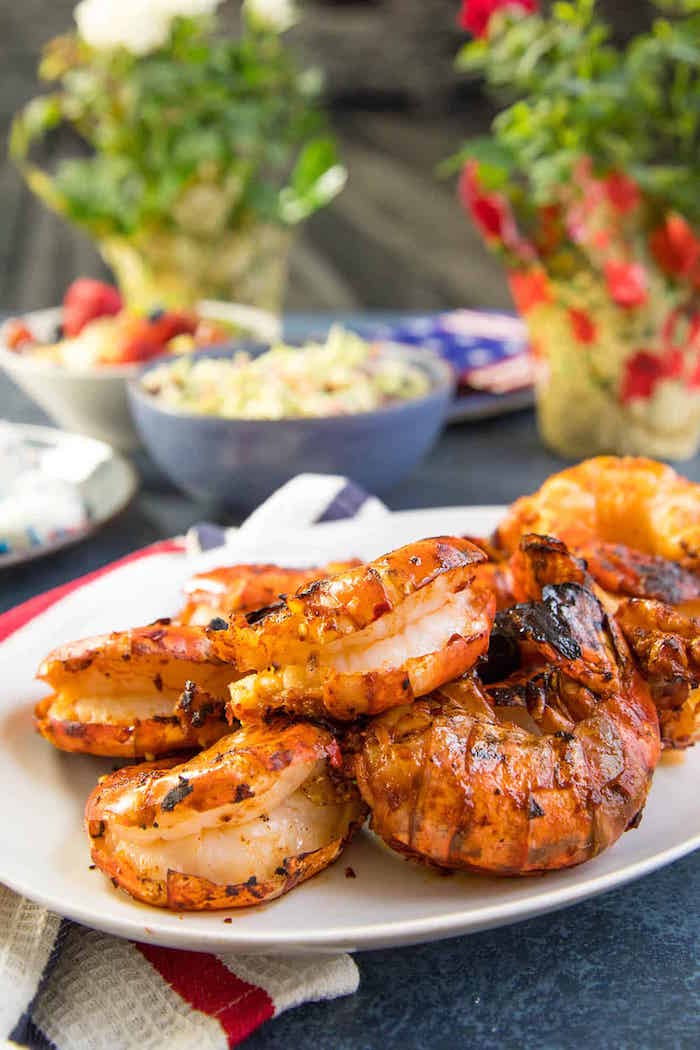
(496, 704)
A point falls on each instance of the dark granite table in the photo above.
(618, 971)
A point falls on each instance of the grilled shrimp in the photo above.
(540, 771)
(494, 574)
(540, 560)
(364, 640)
(245, 821)
(622, 571)
(240, 588)
(664, 641)
(117, 694)
(638, 503)
(666, 646)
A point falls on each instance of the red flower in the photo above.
(673, 363)
(675, 247)
(529, 288)
(644, 370)
(622, 192)
(694, 377)
(490, 211)
(627, 283)
(475, 15)
(582, 325)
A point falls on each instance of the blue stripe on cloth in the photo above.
(210, 536)
(345, 504)
(25, 1032)
(31, 1036)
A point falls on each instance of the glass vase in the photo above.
(176, 269)
(612, 376)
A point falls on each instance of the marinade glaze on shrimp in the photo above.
(243, 822)
(666, 646)
(541, 769)
(118, 694)
(635, 522)
(364, 640)
(240, 588)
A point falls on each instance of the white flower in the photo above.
(275, 15)
(132, 24)
(186, 8)
(138, 25)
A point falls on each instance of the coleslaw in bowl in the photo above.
(343, 375)
(240, 460)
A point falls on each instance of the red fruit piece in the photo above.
(209, 333)
(140, 338)
(17, 336)
(87, 300)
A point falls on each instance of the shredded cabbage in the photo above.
(344, 375)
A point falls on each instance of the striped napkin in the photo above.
(66, 987)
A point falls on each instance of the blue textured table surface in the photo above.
(618, 971)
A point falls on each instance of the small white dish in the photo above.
(93, 400)
(103, 480)
(390, 902)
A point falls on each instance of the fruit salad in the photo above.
(97, 330)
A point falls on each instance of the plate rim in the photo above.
(146, 923)
(15, 558)
(370, 937)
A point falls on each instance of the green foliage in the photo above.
(634, 108)
(235, 114)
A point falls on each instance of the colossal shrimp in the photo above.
(539, 770)
(243, 822)
(665, 642)
(364, 640)
(666, 646)
(152, 690)
(634, 521)
(239, 588)
(119, 694)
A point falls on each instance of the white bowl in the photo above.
(93, 400)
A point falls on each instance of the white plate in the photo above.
(391, 901)
(106, 492)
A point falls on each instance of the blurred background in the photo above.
(394, 239)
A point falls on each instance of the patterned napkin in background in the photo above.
(67, 987)
(488, 351)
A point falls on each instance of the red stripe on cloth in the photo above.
(13, 619)
(207, 985)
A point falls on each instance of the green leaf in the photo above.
(203, 106)
(316, 179)
(40, 115)
(472, 56)
(494, 159)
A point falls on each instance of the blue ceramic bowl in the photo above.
(240, 462)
